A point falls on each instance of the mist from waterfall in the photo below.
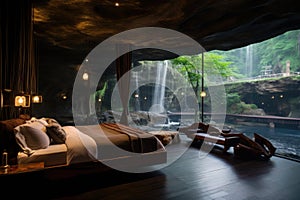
(249, 60)
(159, 90)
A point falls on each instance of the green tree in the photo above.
(214, 64)
(191, 68)
(273, 52)
(276, 51)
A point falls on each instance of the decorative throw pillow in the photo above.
(51, 121)
(55, 132)
(41, 120)
(35, 135)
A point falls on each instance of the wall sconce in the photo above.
(37, 99)
(22, 101)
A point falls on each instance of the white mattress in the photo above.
(53, 155)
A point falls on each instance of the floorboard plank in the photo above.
(216, 176)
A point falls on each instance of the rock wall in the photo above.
(278, 96)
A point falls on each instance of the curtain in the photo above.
(17, 52)
(123, 65)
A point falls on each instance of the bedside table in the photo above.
(21, 168)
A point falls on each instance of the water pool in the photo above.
(287, 141)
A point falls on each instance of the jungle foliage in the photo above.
(272, 53)
(250, 61)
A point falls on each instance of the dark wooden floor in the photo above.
(217, 176)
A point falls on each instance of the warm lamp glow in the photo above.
(85, 76)
(203, 94)
(20, 101)
(37, 99)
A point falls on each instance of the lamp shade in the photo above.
(20, 101)
(37, 99)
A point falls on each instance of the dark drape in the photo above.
(17, 53)
(123, 65)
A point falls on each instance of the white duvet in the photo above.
(81, 147)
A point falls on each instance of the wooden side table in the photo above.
(21, 168)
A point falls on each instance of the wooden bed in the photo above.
(113, 144)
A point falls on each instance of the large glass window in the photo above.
(261, 84)
(263, 95)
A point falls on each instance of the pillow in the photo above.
(55, 132)
(35, 136)
(20, 139)
(51, 120)
(41, 120)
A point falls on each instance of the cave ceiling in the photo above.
(67, 30)
(77, 26)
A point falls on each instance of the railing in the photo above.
(292, 123)
(263, 76)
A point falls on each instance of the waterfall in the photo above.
(249, 60)
(159, 90)
(137, 106)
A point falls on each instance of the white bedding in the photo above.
(52, 156)
(80, 147)
(102, 143)
(90, 143)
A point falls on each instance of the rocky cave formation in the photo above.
(277, 96)
(66, 31)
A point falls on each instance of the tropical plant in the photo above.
(214, 64)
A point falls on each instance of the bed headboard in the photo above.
(7, 139)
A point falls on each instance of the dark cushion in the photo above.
(8, 140)
(55, 132)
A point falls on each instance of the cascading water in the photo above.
(159, 90)
(136, 95)
(249, 60)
